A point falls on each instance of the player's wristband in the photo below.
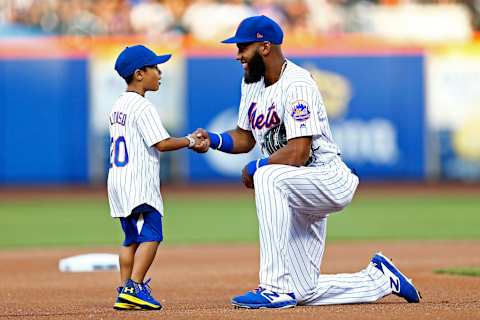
(222, 142)
(191, 141)
(252, 166)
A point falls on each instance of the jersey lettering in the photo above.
(118, 117)
(269, 120)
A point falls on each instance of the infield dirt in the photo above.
(197, 282)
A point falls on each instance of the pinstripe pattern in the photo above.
(292, 209)
(138, 181)
(293, 202)
(368, 285)
(295, 84)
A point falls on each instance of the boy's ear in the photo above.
(138, 75)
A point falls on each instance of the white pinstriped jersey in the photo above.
(134, 175)
(293, 100)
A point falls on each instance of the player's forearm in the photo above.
(291, 155)
(172, 143)
(242, 142)
(295, 153)
(233, 141)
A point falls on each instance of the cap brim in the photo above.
(160, 59)
(238, 40)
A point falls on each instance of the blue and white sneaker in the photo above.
(262, 298)
(400, 284)
(140, 295)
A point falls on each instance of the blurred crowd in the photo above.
(203, 19)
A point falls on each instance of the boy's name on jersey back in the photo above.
(118, 117)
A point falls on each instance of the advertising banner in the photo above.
(375, 105)
(453, 91)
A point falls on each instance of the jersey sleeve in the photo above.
(243, 119)
(304, 111)
(151, 127)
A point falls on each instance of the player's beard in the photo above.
(255, 70)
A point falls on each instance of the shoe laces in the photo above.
(146, 285)
(258, 290)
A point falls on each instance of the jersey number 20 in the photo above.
(118, 152)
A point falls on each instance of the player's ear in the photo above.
(265, 48)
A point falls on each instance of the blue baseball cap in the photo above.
(136, 57)
(257, 29)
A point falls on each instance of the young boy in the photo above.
(136, 136)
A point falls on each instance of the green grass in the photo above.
(196, 219)
(470, 272)
(413, 217)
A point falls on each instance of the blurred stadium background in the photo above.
(400, 79)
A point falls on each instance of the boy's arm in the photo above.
(173, 143)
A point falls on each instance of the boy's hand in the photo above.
(202, 142)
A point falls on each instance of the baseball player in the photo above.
(137, 136)
(300, 180)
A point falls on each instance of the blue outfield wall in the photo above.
(44, 121)
(375, 104)
(376, 108)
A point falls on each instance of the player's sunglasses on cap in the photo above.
(257, 29)
(136, 57)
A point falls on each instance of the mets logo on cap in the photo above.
(300, 110)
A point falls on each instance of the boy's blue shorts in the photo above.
(144, 224)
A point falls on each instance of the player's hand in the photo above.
(247, 179)
(204, 140)
(200, 143)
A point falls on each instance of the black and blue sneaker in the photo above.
(261, 298)
(140, 295)
(400, 284)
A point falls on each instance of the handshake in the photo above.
(199, 140)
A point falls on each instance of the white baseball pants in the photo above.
(292, 208)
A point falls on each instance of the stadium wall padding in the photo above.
(44, 120)
(375, 101)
